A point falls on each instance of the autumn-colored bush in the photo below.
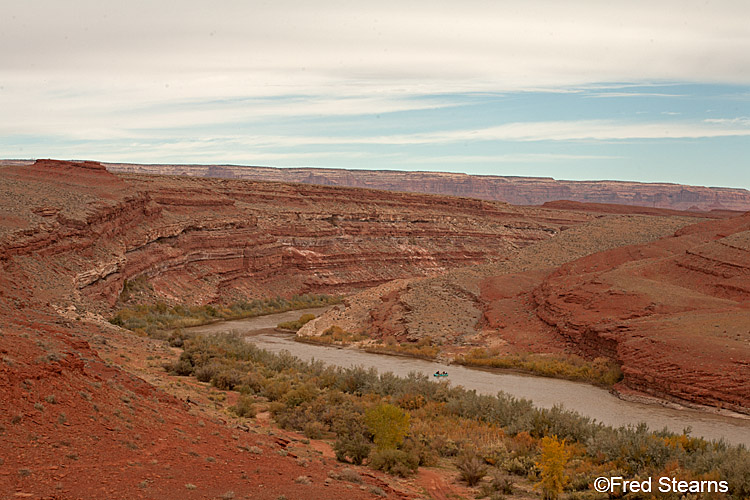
(244, 407)
(299, 323)
(351, 404)
(388, 424)
(421, 349)
(471, 467)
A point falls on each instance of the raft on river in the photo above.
(444, 374)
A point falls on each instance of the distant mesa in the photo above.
(513, 190)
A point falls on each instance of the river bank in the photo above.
(593, 402)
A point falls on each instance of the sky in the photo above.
(653, 91)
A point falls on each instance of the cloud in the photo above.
(584, 130)
(510, 158)
(275, 47)
(743, 121)
(632, 94)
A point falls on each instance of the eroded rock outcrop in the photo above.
(675, 313)
(76, 423)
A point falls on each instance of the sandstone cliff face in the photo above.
(514, 190)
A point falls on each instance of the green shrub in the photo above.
(181, 367)
(421, 449)
(601, 371)
(296, 325)
(244, 407)
(206, 372)
(318, 399)
(314, 430)
(159, 318)
(471, 468)
(394, 462)
(352, 443)
(227, 379)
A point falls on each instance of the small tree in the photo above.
(388, 424)
(552, 463)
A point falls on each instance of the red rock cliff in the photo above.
(514, 190)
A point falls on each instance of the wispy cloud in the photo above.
(587, 130)
(743, 121)
(511, 158)
(331, 82)
(631, 94)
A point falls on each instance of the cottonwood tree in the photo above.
(552, 464)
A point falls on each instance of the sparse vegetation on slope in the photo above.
(507, 435)
(421, 349)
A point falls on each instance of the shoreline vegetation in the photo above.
(600, 371)
(163, 321)
(397, 424)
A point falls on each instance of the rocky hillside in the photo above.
(514, 190)
(80, 412)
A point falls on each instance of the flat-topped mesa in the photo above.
(514, 190)
(80, 173)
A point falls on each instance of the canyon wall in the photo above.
(206, 240)
(514, 190)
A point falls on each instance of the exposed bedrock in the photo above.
(515, 190)
(665, 297)
(87, 231)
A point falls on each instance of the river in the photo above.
(545, 392)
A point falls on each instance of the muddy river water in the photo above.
(545, 392)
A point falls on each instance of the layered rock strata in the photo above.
(203, 240)
(514, 190)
